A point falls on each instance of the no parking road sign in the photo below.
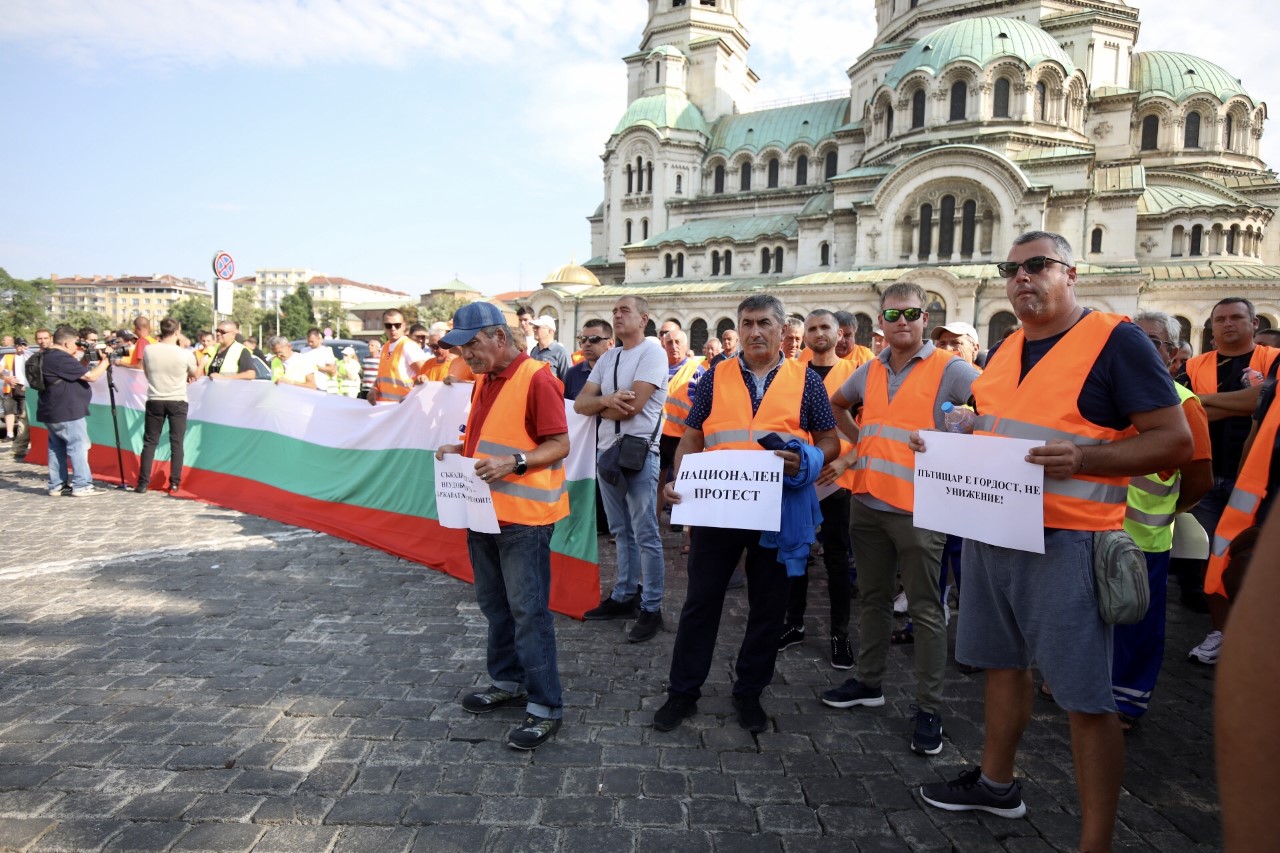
(224, 267)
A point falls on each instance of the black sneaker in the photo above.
(677, 707)
(792, 635)
(841, 652)
(927, 737)
(533, 732)
(853, 692)
(647, 626)
(967, 793)
(484, 701)
(750, 715)
(611, 609)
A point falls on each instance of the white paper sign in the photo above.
(463, 500)
(741, 489)
(981, 487)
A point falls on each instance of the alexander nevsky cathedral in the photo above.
(966, 123)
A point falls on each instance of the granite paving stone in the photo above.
(202, 679)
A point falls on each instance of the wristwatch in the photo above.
(522, 464)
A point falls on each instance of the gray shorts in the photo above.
(1020, 609)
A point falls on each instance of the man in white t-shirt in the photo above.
(399, 363)
(289, 367)
(169, 368)
(321, 355)
(626, 391)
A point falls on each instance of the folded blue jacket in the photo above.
(801, 514)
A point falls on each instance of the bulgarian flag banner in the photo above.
(335, 464)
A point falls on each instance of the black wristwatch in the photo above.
(522, 464)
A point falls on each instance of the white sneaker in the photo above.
(1207, 652)
(900, 604)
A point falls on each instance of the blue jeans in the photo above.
(631, 505)
(69, 443)
(513, 586)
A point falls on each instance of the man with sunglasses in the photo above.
(437, 366)
(596, 339)
(399, 363)
(1083, 382)
(232, 360)
(899, 391)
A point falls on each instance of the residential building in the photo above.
(121, 298)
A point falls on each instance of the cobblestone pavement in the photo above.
(175, 676)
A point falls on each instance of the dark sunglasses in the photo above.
(592, 339)
(891, 315)
(392, 325)
(1035, 265)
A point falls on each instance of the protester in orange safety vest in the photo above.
(398, 365)
(518, 432)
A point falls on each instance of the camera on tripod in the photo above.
(95, 350)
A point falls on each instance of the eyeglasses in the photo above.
(891, 315)
(1161, 343)
(590, 339)
(392, 325)
(1035, 265)
(226, 331)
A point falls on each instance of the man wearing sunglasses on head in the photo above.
(900, 390)
(399, 363)
(1083, 382)
(596, 339)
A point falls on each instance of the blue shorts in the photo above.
(1021, 609)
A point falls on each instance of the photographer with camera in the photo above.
(63, 407)
(169, 368)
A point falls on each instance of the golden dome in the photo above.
(571, 276)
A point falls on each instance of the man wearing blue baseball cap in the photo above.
(519, 435)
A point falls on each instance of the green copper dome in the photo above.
(663, 111)
(979, 40)
(1178, 76)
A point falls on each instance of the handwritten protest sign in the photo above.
(981, 487)
(463, 500)
(741, 489)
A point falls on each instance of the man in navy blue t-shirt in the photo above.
(63, 407)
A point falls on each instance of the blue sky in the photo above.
(395, 142)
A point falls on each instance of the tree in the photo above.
(79, 318)
(331, 315)
(22, 304)
(410, 313)
(297, 313)
(245, 310)
(441, 309)
(195, 313)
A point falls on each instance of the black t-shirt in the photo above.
(245, 362)
(822, 370)
(1127, 379)
(66, 394)
(1228, 435)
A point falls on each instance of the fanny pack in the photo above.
(1120, 577)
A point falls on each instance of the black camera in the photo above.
(95, 350)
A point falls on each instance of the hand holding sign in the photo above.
(463, 499)
(739, 489)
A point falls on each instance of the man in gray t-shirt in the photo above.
(626, 392)
(168, 368)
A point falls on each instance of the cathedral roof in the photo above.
(669, 110)
(979, 40)
(1163, 198)
(782, 126)
(570, 274)
(741, 229)
(1178, 76)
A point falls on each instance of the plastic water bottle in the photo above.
(958, 418)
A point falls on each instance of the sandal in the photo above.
(902, 637)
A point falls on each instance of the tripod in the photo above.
(115, 424)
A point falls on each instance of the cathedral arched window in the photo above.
(1000, 107)
(1233, 236)
(648, 182)
(999, 327)
(715, 263)
(719, 180)
(680, 265)
(766, 260)
(777, 259)
(947, 227)
(959, 100)
(631, 180)
(917, 109)
(1191, 131)
(1095, 241)
(802, 170)
(677, 3)
(824, 254)
(968, 227)
(1179, 237)
(1227, 127)
(628, 231)
(698, 334)
(773, 173)
(670, 264)
(1197, 240)
(925, 246)
(744, 179)
(639, 175)
(888, 122)
(728, 261)
(679, 184)
(1150, 133)
(1042, 101)
(657, 72)
(831, 165)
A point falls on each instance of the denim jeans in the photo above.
(159, 411)
(631, 505)
(69, 443)
(513, 586)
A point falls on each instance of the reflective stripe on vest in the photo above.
(1043, 406)
(392, 383)
(731, 425)
(1153, 503)
(885, 468)
(538, 496)
(679, 404)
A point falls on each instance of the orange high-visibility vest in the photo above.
(436, 371)
(1242, 509)
(538, 496)
(836, 376)
(678, 404)
(1044, 406)
(7, 363)
(392, 383)
(731, 426)
(1203, 369)
(885, 468)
